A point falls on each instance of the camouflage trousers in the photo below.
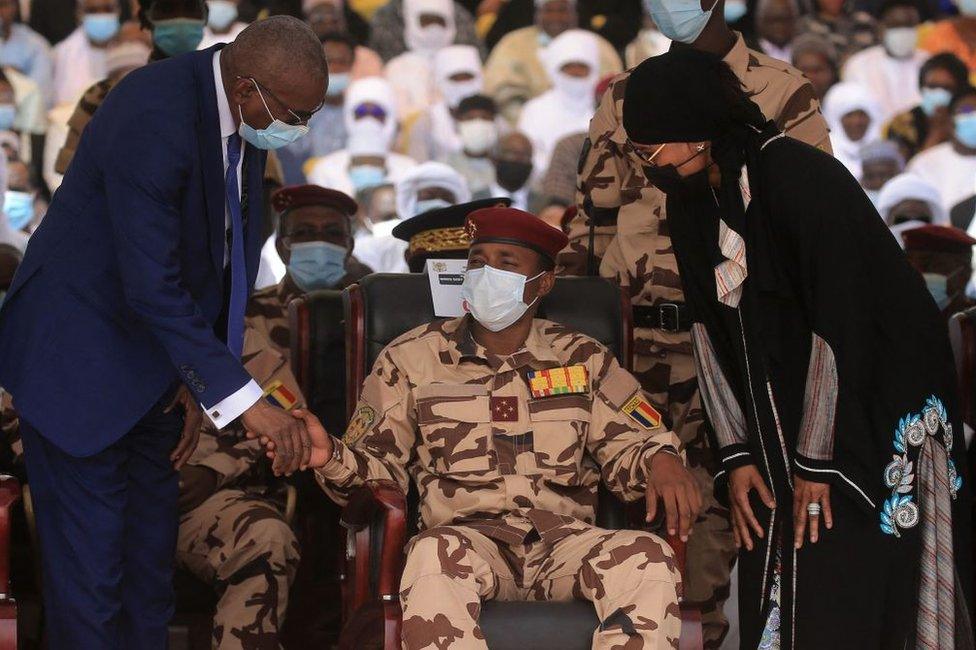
(711, 548)
(241, 544)
(629, 576)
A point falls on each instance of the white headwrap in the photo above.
(909, 186)
(573, 46)
(425, 176)
(843, 98)
(452, 60)
(427, 40)
(367, 136)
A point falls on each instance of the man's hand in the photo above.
(283, 436)
(743, 480)
(197, 484)
(322, 446)
(192, 418)
(805, 493)
(671, 481)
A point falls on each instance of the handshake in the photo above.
(293, 440)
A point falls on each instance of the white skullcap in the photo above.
(909, 186)
(424, 176)
(572, 46)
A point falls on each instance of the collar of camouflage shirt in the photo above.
(460, 345)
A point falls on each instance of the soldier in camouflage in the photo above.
(621, 232)
(506, 424)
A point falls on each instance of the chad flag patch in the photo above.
(559, 381)
(280, 396)
(641, 411)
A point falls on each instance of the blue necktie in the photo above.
(238, 271)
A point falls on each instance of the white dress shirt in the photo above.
(230, 408)
(519, 198)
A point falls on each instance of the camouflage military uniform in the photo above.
(508, 482)
(631, 245)
(238, 539)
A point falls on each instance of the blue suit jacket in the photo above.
(121, 285)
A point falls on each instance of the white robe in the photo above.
(546, 120)
(892, 82)
(952, 174)
(77, 65)
(332, 171)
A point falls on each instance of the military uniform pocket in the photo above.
(559, 427)
(455, 427)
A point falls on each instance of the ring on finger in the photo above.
(813, 509)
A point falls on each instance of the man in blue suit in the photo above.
(127, 313)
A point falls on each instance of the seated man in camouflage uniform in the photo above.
(232, 531)
(506, 424)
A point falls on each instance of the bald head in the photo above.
(275, 69)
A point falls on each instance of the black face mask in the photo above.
(667, 179)
(511, 174)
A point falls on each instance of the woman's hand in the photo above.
(805, 493)
(743, 480)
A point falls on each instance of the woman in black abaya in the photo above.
(825, 369)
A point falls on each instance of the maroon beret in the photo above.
(297, 196)
(939, 239)
(512, 226)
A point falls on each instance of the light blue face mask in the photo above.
(734, 10)
(100, 27)
(220, 14)
(967, 7)
(430, 204)
(936, 284)
(364, 177)
(275, 135)
(18, 207)
(8, 112)
(338, 83)
(933, 99)
(317, 265)
(679, 20)
(178, 35)
(966, 129)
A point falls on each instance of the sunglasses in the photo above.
(370, 110)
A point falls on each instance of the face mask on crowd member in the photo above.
(680, 20)
(476, 125)
(939, 79)
(18, 203)
(429, 186)
(457, 72)
(369, 114)
(509, 265)
(513, 162)
(553, 17)
(428, 25)
(314, 234)
(177, 36)
(966, 7)
(340, 52)
(964, 120)
(899, 24)
(735, 10)
(100, 20)
(221, 14)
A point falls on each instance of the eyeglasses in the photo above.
(300, 117)
(700, 148)
(369, 110)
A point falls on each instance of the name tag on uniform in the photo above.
(559, 381)
(280, 396)
(641, 411)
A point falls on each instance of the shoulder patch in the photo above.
(359, 425)
(640, 411)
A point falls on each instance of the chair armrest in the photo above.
(9, 495)
(680, 549)
(377, 502)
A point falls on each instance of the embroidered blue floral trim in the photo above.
(899, 510)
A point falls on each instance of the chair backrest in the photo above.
(384, 306)
(318, 354)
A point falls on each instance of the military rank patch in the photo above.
(360, 424)
(504, 409)
(559, 381)
(280, 396)
(641, 411)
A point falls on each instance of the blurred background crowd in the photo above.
(434, 102)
